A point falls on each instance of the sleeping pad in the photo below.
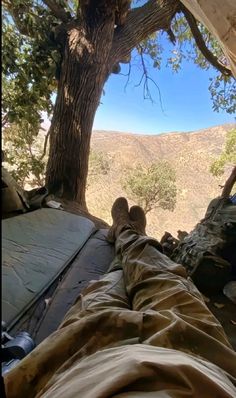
(36, 248)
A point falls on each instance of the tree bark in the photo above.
(83, 74)
(140, 23)
(229, 184)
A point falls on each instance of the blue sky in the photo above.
(186, 101)
(185, 97)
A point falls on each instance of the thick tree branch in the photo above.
(229, 184)
(140, 23)
(45, 145)
(58, 11)
(94, 11)
(4, 119)
(119, 8)
(211, 58)
(122, 9)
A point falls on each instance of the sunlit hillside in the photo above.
(189, 153)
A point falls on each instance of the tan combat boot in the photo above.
(138, 219)
(120, 216)
(138, 223)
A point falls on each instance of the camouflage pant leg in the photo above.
(174, 313)
(100, 318)
(106, 293)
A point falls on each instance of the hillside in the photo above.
(189, 153)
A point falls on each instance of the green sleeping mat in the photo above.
(36, 248)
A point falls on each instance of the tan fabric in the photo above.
(219, 17)
(13, 197)
(141, 331)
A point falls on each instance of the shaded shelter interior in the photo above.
(49, 256)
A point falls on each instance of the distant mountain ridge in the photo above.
(226, 126)
(190, 153)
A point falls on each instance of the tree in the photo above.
(152, 187)
(98, 164)
(228, 155)
(71, 48)
(23, 152)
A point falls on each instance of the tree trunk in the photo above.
(93, 43)
(83, 74)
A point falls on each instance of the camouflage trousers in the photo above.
(142, 330)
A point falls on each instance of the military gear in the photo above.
(16, 200)
(13, 197)
(208, 252)
(14, 349)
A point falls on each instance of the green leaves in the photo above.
(23, 148)
(152, 47)
(227, 157)
(222, 88)
(223, 93)
(28, 61)
(152, 187)
(28, 64)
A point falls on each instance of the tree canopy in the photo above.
(32, 55)
(44, 40)
(24, 153)
(152, 187)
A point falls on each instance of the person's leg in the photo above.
(100, 318)
(174, 313)
(104, 294)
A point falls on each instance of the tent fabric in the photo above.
(219, 17)
(36, 248)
